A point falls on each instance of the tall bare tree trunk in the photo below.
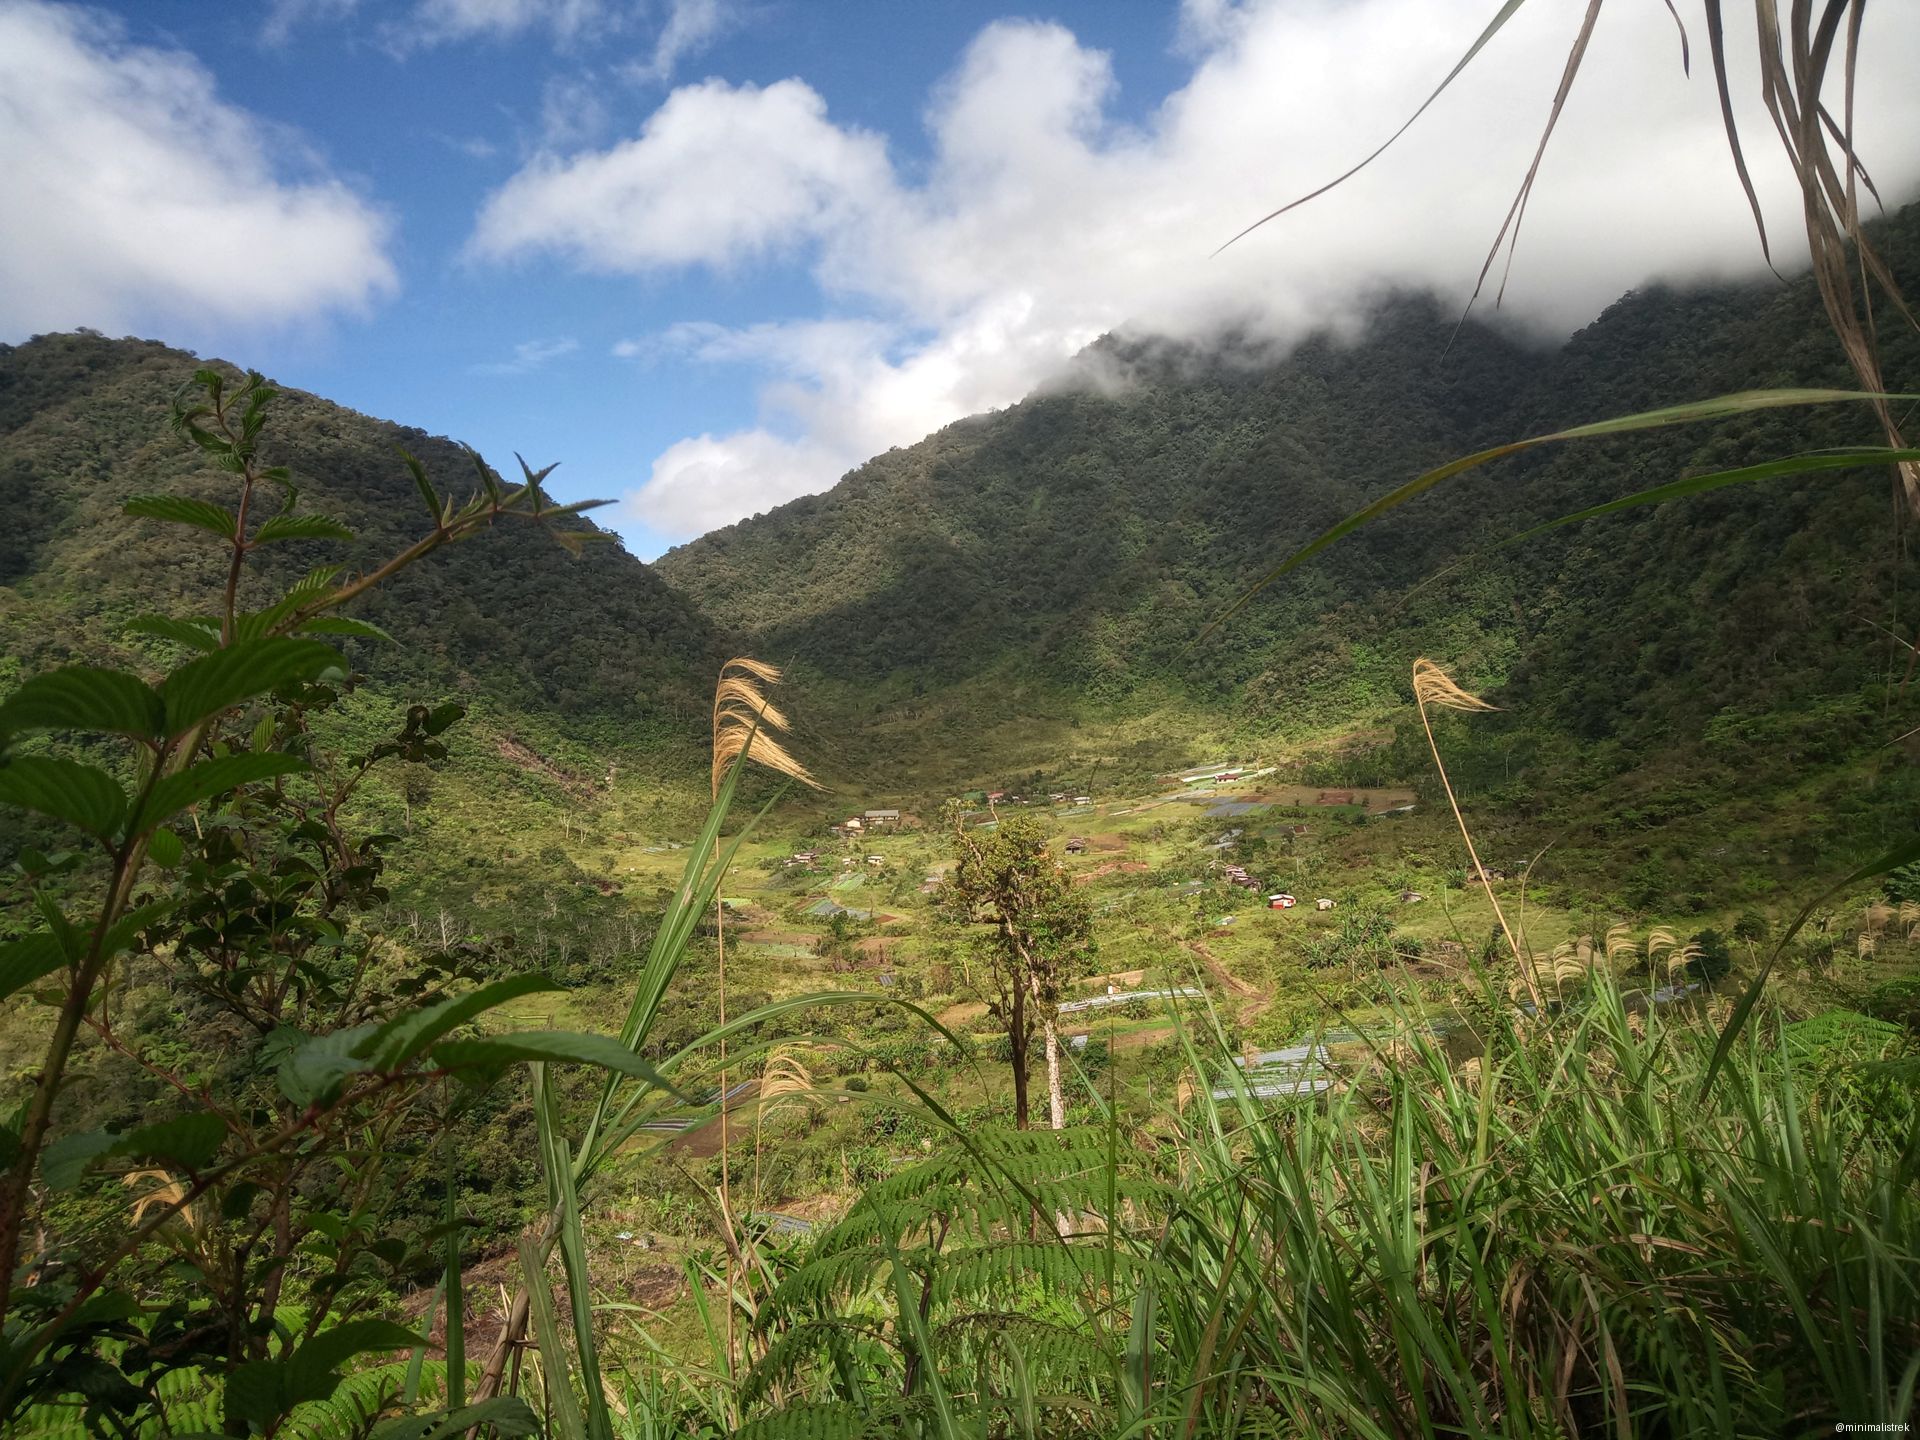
(1017, 1040)
(1056, 1093)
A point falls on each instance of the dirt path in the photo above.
(1253, 1000)
(778, 937)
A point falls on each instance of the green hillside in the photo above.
(584, 676)
(1056, 561)
(594, 642)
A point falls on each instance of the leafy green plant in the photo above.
(218, 858)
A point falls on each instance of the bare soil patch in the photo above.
(1112, 867)
(534, 763)
(1125, 979)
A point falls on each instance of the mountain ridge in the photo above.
(1076, 543)
(597, 640)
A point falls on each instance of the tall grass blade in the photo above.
(1504, 14)
(1720, 407)
(564, 1199)
(451, 1285)
(1811, 462)
(568, 1422)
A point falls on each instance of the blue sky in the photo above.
(708, 254)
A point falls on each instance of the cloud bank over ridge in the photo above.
(133, 191)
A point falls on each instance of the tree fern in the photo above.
(1010, 1256)
(832, 1348)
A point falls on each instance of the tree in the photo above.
(1029, 932)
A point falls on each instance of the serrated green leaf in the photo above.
(73, 941)
(405, 1036)
(424, 485)
(200, 635)
(313, 1071)
(314, 1365)
(83, 697)
(164, 848)
(185, 1143)
(182, 511)
(441, 716)
(64, 1161)
(203, 688)
(210, 778)
(81, 795)
(301, 527)
(259, 1391)
(30, 958)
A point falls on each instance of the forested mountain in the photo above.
(594, 647)
(1066, 552)
(1024, 572)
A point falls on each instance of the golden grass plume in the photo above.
(1621, 945)
(746, 722)
(1433, 686)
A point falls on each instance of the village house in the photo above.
(1323, 904)
(1076, 845)
(880, 819)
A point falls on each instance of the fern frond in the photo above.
(1006, 1271)
(808, 1345)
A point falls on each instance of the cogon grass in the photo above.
(1561, 1237)
(1556, 1236)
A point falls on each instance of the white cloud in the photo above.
(719, 175)
(440, 21)
(573, 111)
(681, 29)
(691, 26)
(135, 196)
(1039, 221)
(528, 356)
(286, 16)
(740, 474)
